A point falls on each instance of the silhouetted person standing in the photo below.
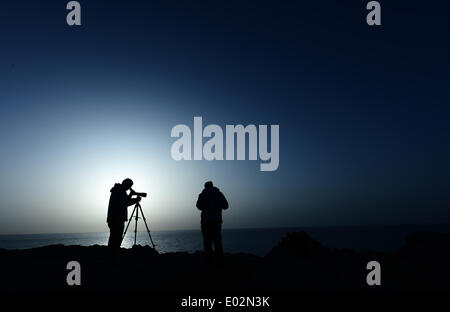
(118, 212)
(211, 202)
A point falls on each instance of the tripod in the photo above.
(136, 209)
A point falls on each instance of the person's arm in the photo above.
(224, 202)
(132, 201)
(200, 202)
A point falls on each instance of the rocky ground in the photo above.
(297, 264)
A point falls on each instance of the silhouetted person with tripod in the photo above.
(211, 202)
(118, 212)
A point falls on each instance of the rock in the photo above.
(298, 263)
(298, 246)
(426, 246)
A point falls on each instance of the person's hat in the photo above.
(208, 184)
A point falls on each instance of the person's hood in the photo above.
(211, 189)
(116, 187)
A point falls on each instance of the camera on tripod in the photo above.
(135, 215)
(138, 194)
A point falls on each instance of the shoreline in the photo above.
(258, 241)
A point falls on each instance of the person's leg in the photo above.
(217, 237)
(115, 237)
(112, 241)
(111, 235)
(119, 234)
(207, 241)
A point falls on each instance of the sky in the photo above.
(362, 111)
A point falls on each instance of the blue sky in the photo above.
(363, 111)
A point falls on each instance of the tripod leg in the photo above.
(129, 221)
(148, 231)
(136, 224)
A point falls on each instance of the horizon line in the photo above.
(447, 223)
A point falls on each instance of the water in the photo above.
(254, 241)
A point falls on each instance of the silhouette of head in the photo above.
(209, 184)
(127, 183)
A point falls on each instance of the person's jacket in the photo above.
(211, 202)
(118, 204)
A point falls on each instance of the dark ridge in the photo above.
(298, 263)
